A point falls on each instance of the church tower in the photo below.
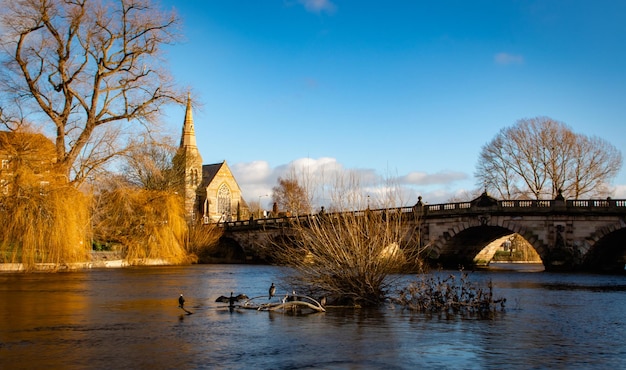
(188, 158)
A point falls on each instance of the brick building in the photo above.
(26, 163)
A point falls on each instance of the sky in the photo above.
(407, 91)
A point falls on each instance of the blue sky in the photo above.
(404, 89)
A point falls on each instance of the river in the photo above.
(128, 318)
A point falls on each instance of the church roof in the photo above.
(209, 171)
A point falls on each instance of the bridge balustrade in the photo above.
(597, 203)
(594, 205)
(448, 206)
(590, 203)
(525, 203)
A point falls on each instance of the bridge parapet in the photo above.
(529, 206)
(563, 232)
(604, 206)
(280, 222)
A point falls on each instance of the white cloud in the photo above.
(440, 178)
(314, 166)
(257, 179)
(319, 6)
(619, 192)
(506, 59)
(252, 172)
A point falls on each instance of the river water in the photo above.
(128, 318)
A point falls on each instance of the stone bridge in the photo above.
(568, 235)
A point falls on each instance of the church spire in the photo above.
(188, 138)
(189, 157)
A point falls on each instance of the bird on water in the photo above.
(323, 301)
(272, 290)
(181, 304)
(232, 298)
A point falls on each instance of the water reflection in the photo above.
(129, 319)
(518, 267)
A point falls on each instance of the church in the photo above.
(210, 190)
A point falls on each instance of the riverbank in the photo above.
(98, 260)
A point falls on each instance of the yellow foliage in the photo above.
(203, 239)
(150, 224)
(45, 227)
(43, 219)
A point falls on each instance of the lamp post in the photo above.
(260, 209)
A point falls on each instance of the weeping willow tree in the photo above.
(51, 226)
(43, 219)
(148, 224)
(351, 257)
(141, 208)
(203, 240)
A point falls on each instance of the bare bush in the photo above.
(350, 257)
(450, 295)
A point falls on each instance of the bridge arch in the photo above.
(228, 250)
(607, 249)
(463, 244)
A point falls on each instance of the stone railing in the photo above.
(600, 206)
(523, 206)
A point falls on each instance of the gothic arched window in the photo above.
(193, 177)
(224, 201)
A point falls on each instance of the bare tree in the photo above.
(594, 160)
(87, 71)
(291, 197)
(150, 165)
(538, 158)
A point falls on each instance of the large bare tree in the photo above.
(88, 71)
(538, 158)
